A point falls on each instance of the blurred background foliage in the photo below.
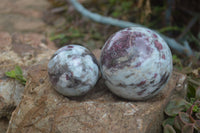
(175, 18)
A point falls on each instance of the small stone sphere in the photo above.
(136, 63)
(73, 70)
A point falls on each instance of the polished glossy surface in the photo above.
(73, 70)
(136, 63)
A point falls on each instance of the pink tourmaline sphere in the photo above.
(136, 63)
(73, 70)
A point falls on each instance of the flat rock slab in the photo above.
(43, 110)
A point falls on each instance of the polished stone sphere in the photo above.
(136, 63)
(73, 70)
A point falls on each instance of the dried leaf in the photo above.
(196, 72)
(147, 8)
(198, 93)
(140, 3)
(169, 129)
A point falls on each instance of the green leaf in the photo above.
(168, 121)
(195, 108)
(11, 74)
(126, 5)
(59, 36)
(112, 2)
(175, 106)
(17, 74)
(177, 62)
(192, 100)
(170, 28)
(188, 128)
(169, 129)
(18, 70)
(116, 14)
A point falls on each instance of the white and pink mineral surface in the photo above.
(73, 70)
(136, 63)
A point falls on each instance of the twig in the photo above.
(189, 11)
(177, 46)
(120, 23)
(186, 45)
(99, 18)
(58, 9)
(189, 26)
(168, 12)
(193, 81)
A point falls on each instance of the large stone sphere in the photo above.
(136, 63)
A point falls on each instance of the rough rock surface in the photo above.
(22, 16)
(3, 125)
(22, 50)
(43, 110)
